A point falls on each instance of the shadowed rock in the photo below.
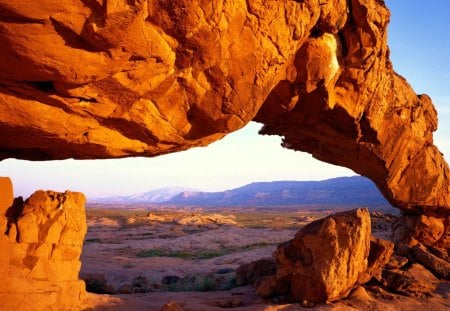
(415, 280)
(254, 271)
(379, 255)
(439, 266)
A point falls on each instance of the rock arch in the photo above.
(176, 76)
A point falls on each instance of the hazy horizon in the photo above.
(420, 49)
(222, 190)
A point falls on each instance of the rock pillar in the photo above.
(40, 245)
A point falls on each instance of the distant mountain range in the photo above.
(341, 191)
(153, 196)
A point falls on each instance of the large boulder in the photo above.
(324, 260)
(40, 251)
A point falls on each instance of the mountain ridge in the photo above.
(354, 190)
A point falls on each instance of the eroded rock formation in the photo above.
(324, 261)
(40, 244)
(331, 257)
(102, 79)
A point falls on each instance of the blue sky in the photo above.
(419, 39)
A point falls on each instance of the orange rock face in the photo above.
(105, 79)
(325, 259)
(40, 250)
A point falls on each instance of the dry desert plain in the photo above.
(171, 258)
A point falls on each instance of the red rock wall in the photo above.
(40, 250)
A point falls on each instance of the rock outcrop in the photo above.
(415, 280)
(324, 261)
(105, 79)
(430, 230)
(40, 245)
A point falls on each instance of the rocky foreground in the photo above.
(331, 264)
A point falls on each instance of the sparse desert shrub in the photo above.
(205, 284)
(170, 279)
(197, 283)
(139, 285)
(95, 240)
(231, 283)
(199, 254)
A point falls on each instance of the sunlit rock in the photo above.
(325, 259)
(40, 250)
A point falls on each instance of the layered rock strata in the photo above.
(40, 243)
(105, 79)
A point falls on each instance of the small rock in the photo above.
(438, 266)
(307, 304)
(379, 254)
(228, 304)
(416, 280)
(396, 262)
(336, 247)
(411, 229)
(124, 289)
(379, 292)
(269, 286)
(440, 252)
(360, 293)
(172, 306)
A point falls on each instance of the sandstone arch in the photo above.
(105, 79)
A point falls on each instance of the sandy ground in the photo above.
(116, 255)
(113, 245)
(212, 301)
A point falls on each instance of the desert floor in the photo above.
(203, 249)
